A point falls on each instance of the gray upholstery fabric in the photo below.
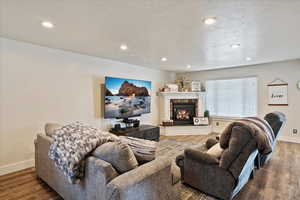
(119, 155)
(210, 142)
(208, 178)
(263, 139)
(237, 166)
(144, 150)
(51, 127)
(143, 181)
(277, 121)
(222, 178)
(240, 136)
(99, 174)
(200, 156)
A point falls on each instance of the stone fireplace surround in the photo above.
(166, 99)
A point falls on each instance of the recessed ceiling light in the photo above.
(188, 66)
(234, 46)
(47, 24)
(248, 58)
(123, 47)
(164, 59)
(210, 20)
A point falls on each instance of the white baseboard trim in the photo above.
(6, 169)
(289, 139)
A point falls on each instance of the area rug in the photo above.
(171, 147)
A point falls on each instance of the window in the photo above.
(232, 97)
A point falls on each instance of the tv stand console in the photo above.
(147, 132)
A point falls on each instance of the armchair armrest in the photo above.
(180, 160)
(152, 180)
(199, 156)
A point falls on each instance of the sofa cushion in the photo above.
(144, 150)
(51, 127)
(118, 154)
(215, 150)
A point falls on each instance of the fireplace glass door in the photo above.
(183, 113)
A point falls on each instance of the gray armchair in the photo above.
(221, 178)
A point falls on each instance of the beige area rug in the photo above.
(173, 147)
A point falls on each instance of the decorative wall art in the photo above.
(278, 93)
(196, 86)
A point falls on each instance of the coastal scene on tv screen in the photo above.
(126, 97)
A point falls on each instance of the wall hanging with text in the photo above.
(278, 93)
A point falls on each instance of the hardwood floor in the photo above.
(278, 180)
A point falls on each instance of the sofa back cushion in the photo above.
(239, 138)
(144, 150)
(238, 164)
(118, 154)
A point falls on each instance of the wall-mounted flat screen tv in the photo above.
(125, 98)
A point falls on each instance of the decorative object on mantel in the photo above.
(203, 89)
(180, 82)
(184, 84)
(173, 87)
(169, 87)
(196, 86)
(278, 93)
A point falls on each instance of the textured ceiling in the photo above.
(267, 30)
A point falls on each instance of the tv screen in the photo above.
(126, 98)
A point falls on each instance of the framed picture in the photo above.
(278, 94)
(196, 86)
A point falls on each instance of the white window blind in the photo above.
(232, 97)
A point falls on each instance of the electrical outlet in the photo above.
(295, 131)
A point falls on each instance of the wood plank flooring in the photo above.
(278, 180)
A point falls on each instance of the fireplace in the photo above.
(183, 111)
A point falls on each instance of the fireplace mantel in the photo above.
(167, 96)
(178, 94)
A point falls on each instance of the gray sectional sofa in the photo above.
(150, 181)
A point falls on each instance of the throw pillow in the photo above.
(119, 155)
(51, 127)
(144, 150)
(215, 151)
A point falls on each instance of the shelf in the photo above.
(180, 93)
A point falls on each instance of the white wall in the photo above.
(39, 85)
(288, 71)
